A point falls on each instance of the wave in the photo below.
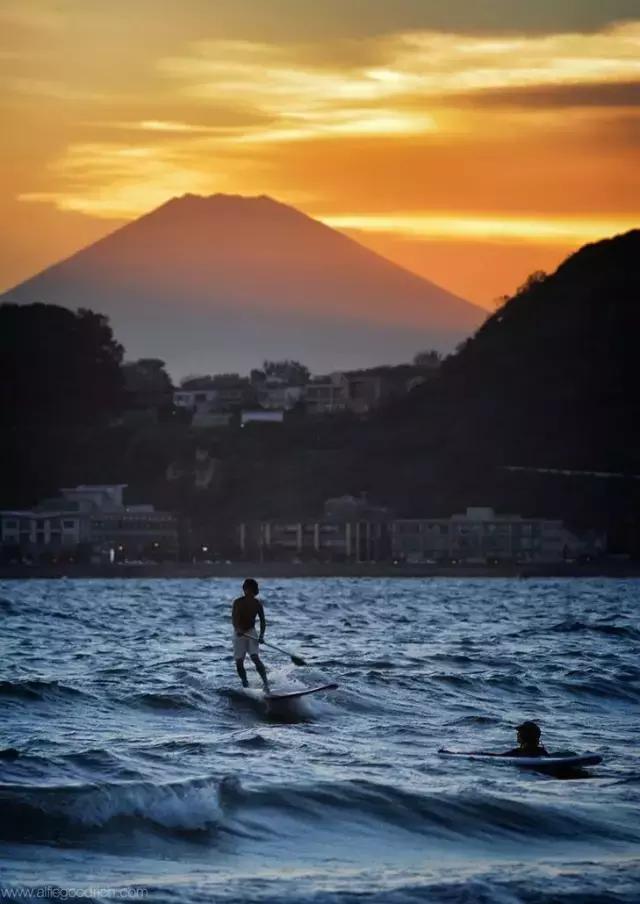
(9, 754)
(570, 626)
(468, 814)
(37, 689)
(603, 688)
(199, 809)
(167, 700)
(71, 813)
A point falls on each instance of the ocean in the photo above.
(133, 767)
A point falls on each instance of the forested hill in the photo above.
(551, 380)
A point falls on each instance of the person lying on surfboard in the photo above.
(528, 735)
(245, 640)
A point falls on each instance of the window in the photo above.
(69, 525)
(11, 524)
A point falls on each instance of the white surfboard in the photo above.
(274, 696)
(533, 762)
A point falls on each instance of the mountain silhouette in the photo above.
(220, 283)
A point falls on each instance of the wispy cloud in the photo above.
(547, 230)
(111, 180)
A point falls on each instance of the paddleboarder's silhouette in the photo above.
(245, 640)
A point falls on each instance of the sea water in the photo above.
(133, 767)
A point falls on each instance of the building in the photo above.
(326, 395)
(359, 541)
(352, 530)
(261, 416)
(480, 536)
(222, 394)
(194, 398)
(362, 391)
(274, 393)
(88, 521)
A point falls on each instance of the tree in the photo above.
(147, 382)
(291, 372)
(60, 380)
(430, 358)
(532, 280)
(57, 365)
(196, 381)
(225, 380)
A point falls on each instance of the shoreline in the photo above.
(176, 570)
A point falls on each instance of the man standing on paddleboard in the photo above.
(245, 640)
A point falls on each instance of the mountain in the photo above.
(220, 283)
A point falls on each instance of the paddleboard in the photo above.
(275, 696)
(536, 762)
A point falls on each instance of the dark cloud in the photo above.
(304, 19)
(604, 94)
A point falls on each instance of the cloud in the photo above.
(547, 230)
(605, 94)
(422, 63)
(408, 122)
(403, 83)
(110, 180)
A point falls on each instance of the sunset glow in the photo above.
(425, 133)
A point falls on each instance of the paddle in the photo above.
(296, 660)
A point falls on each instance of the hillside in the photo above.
(548, 382)
(223, 282)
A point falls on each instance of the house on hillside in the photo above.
(274, 393)
(220, 395)
(326, 394)
(368, 389)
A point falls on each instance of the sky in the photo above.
(473, 141)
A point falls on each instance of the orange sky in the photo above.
(471, 145)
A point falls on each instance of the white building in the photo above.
(90, 516)
(481, 536)
(276, 394)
